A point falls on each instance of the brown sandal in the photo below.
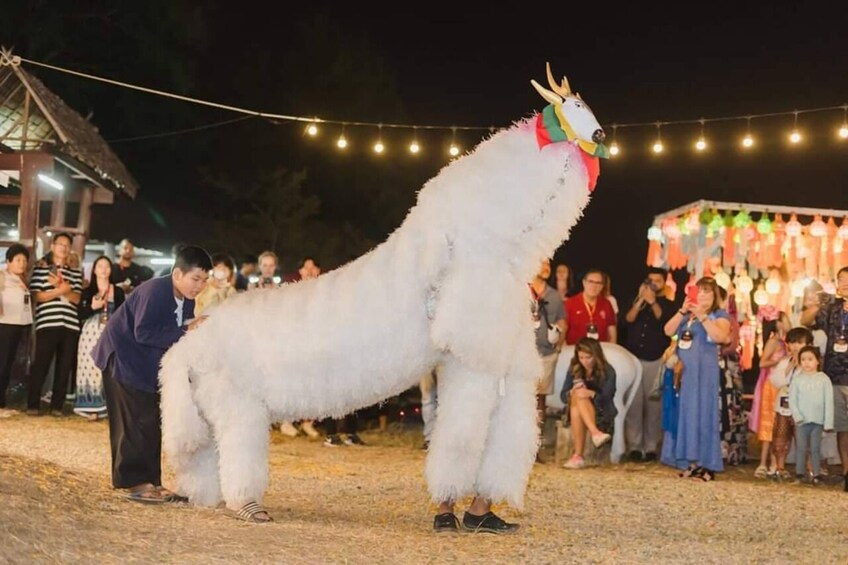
(147, 494)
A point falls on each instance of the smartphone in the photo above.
(692, 294)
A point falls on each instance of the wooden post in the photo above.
(31, 165)
(84, 220)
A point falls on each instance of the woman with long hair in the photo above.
(588, 394)
(701, 327)
(775, 325)
(98, 302)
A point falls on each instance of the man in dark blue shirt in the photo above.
(646, 340)
(152, 319)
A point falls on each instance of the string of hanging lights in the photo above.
(379, 146)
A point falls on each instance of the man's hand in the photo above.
(647, 294)
(196, 322)
(64, 287)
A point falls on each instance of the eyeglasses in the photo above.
(595, 282)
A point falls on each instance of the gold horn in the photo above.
(562, 89)
(551, 97)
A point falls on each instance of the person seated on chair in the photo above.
(588, 394)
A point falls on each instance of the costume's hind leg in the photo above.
(511, 444)
(240, 425)
(466, 401)
(197, 476)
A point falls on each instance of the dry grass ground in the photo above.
(369, 505)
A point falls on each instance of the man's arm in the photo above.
(155, 324)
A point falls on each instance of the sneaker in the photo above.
(286, 428)
(333, 441)
(783, 476)
(832, 479)
(600, 439)
(57, 413)
(576, 462)
(650, 457)
(446, 523)
(761, 472)
(635, 456)
(353, 439)
(489, 523)
(309, 429)
(816, 481)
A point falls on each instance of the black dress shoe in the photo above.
(446, 523)
(650, 456)
(635, 456)
(488, 523)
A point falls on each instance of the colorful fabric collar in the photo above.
(551, 127)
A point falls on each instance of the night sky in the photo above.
(450, 66)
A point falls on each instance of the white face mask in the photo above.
(219, 274)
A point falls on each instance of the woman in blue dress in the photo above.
(701, 326)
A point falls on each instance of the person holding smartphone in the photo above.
(646, 340)
(701, 327)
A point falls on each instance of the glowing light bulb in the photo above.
(795, 136)
(701, 144)
(843, 131)
(761, 297)
(613, 149)
(748, 141)
(658, 147)
(379, 147)
(454, 150)
(312, 130)
(414, 147)
(342, 142)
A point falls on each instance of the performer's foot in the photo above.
(488, 523)
(252, 513)
(353, 439)
(446, 523)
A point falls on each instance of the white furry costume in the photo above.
(448, 287)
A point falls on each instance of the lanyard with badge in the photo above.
(686, 338)
(840, 345)
(591, 329)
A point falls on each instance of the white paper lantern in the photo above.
(761, 297)
(722, 279)
(773, 285)
(744, 284)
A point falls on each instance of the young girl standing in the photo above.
(811, 403)
(781, 378)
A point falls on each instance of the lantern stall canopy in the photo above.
(765, 255)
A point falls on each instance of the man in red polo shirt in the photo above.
(589, 314)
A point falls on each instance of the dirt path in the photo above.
(369, 505)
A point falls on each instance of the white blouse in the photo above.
(17, 302)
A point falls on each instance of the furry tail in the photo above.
(184, 431)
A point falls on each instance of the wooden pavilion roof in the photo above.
(34, 118)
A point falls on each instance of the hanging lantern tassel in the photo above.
(654, 253)
(729, 246)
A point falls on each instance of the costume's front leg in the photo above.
(467, 399)
(511, 445)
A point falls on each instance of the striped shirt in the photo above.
(59, 312)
